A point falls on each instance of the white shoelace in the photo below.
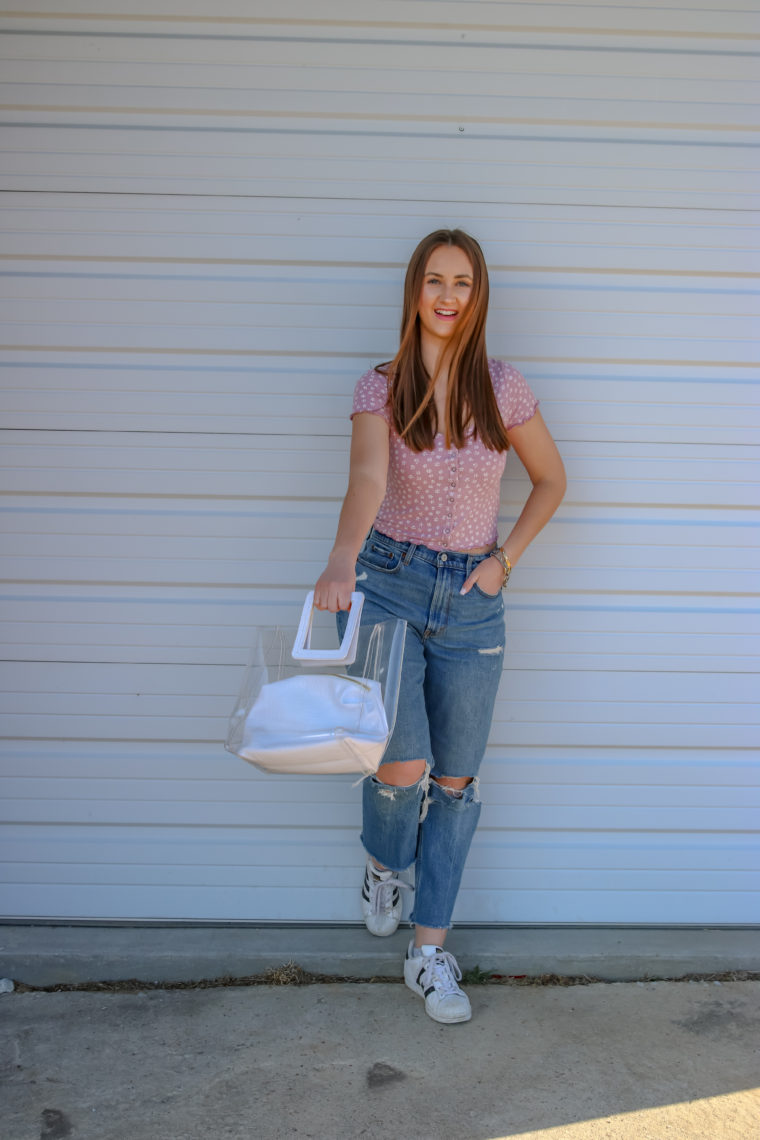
(381, 893)
(442, 972)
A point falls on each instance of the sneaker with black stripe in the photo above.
(381, 900)
(435, 978)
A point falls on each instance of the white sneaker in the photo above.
(435, 978)
(381, 900)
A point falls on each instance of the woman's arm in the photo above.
(368, 474)
(546, 471)
(538, 454)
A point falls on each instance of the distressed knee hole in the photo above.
(402, 773)
(456, 791)
(497, 649)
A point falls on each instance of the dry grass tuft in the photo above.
(289, 974)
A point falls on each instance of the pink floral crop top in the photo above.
(445, 499)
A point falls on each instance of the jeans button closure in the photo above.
(444, 558)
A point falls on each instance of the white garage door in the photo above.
(205, 224)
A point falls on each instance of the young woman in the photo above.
(430, 434)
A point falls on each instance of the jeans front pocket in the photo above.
(483, 594)
(378, 555)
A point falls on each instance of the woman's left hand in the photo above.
(489, 574)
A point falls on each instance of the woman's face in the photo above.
(446, 292)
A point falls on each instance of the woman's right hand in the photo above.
(336, 584)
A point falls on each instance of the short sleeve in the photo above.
(371, 395)
(516, 401)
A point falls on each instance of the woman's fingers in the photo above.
(333, 596)
(469, 583)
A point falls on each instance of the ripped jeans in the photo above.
(453, 658)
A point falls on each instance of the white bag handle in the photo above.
(346, 654)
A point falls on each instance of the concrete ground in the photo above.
(643, 1060)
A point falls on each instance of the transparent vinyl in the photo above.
(315, 718)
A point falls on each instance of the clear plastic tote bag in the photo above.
(310, 711)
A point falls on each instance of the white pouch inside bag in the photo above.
(319, 711)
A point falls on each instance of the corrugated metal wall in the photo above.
(205, 223)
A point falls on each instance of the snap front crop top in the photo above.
(445, 499)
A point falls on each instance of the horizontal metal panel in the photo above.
(709, 405)
(596, 344)
(250, 853)
(203, 466)
(29, 70)
(532, 769)
(305, 153)
(192, 702)
(339, 297)
(697, 17)
(55, 639)
(501, 881)
(342, 163)
(148, 901)
(640, 725)
(729, 565)
(267, 324)
(599, 568)
(729, 535)
(282, 604)
(555, 800)
(514, 40)
(362, 235)
(667, 907)
(171, 627)
(253, 813)
(588, 380)
(142, 687)
(339, 847)
(220, 572)
(174, 95)
(519, 861)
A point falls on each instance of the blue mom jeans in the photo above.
(453, 657)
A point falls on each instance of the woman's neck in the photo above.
(436, 359)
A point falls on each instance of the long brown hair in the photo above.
(470, 402)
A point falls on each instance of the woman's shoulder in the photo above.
(371, 392)
(375, 375)
(515, 399)
(373, 382)
(503, 373)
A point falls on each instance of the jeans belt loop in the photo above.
(409, 555)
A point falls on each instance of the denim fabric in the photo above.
(453, 657)
(444, 841)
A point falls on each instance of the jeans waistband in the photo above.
(456, 559)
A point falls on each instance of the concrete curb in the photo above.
(54, 955)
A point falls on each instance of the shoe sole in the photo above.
(379, 934)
